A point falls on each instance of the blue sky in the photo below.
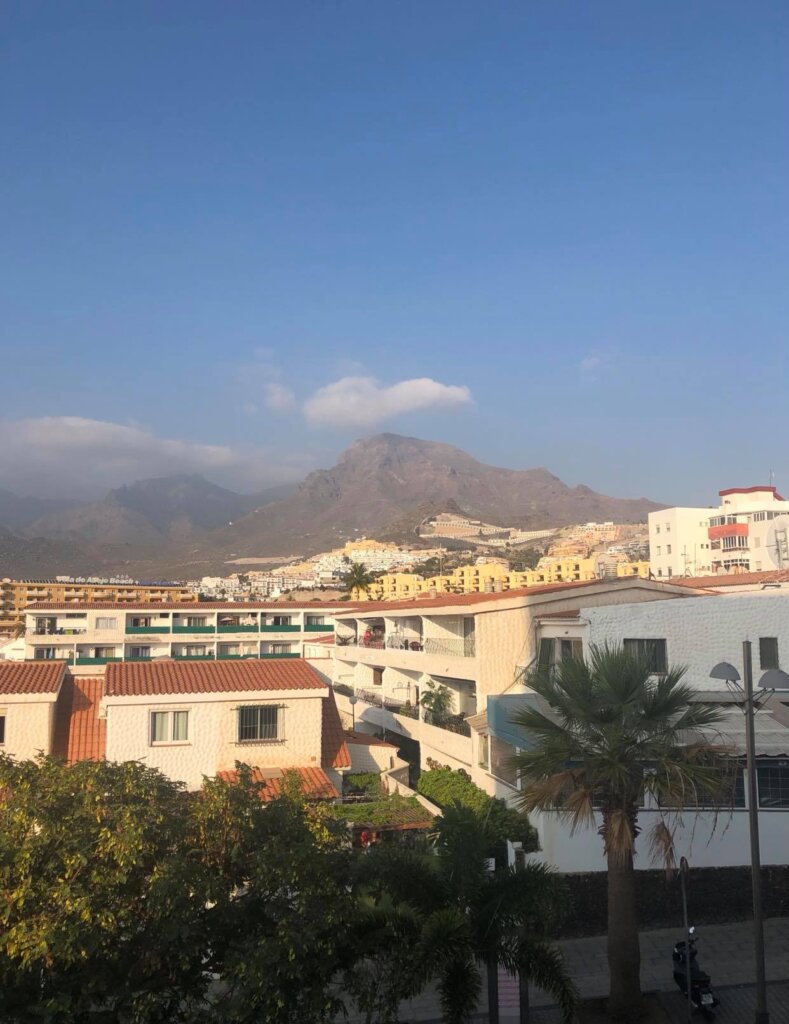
(237, 236)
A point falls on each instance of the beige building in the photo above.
(192, 721)
(28, 701)
(388, 655)
(91, 635)
(16, 595)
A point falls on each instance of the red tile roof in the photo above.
(134, 679)
(80, 735)
(189, 607)
(315, 783)
(31, 676)
(732, 579)
(334, 752)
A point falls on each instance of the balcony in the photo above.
(236, 657)
(67, 659)
(138, 630)
(193, 657)
(193, 629)
(238, 628)
(452, 723)
(455, 647)
(377, 700)
(138, 657)
(287, 654)
(280, 629)
(319, 627)
(404, 643)
(96, 661)
(59, 631)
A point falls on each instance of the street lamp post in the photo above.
(352, 701)
(773, 679)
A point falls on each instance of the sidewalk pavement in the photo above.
(725, 952)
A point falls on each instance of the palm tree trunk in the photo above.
(523, 993)
(624, 955)
(492, 969)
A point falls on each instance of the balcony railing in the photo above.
(378, 700)
(193, 629)
(96, 661)
(271, 628)
(285, 654)
(456, 647)
(396, 642)
(193, 657)
(452, 723)
(222, 656)
(147, 629)
(59, 631)
(319, 627)
(238, 628)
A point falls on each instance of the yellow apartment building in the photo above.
(16, 595)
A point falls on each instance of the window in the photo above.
(104, 652)
(103, 622)
(280, 620)
(668, 549)
(315, 620)
(196, 650)
(768, 652)
(258, 724)
(773, 782)
(169, 727)
(280, 649)
(570, 649)
(139, 652)
(483, 756)
(45, 653)
(657, 529)
(657, 550)
(2, 726)
(653, 651)
(139, 621)
(668, 527)
(196, 620)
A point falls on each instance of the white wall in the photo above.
(29, 724)
(684, 530)
(212, 744)
(704, 842)
(701, 631)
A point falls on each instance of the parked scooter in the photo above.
(701, 995)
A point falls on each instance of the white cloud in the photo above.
(363, 401)
(73, 457)
(278, 398)
(589, 363)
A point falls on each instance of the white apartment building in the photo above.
(478, 646)
(388, 655)
(747, 532)
(89, 636)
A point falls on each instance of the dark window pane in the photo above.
(768, 652)
(653, 651)
(545, 658)
(773, 783)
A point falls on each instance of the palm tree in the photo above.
(357, 578)
(460, 914)
(607, 734)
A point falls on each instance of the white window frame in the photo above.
(170, 727)
(102, 620)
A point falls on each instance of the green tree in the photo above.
(357, 578)
(124, 899)
(99, 912)
(610, 732)
(458, 914)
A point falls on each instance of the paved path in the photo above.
(725, 952)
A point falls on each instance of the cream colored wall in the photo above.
(29, 724)
(212, 745)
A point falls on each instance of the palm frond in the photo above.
(543, 965)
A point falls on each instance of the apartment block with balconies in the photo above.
(424, 669)
(92, 635)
